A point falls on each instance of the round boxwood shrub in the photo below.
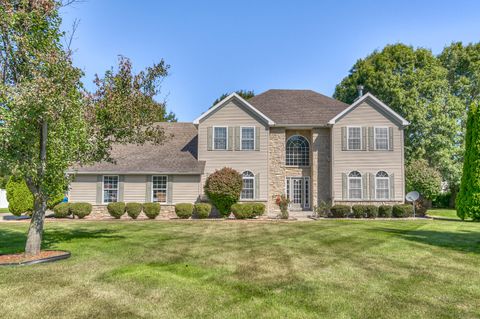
(80, 209)
(258, 209)
(359, 211)
(61, 210)
(223, 188)
(371, 211)
(385, 211)
(184, 210)
(242, 211)
(116, 210)
(404, 210)
(340, 211)
(152, 210)
(202, 210)
(133, 209)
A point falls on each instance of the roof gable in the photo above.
(228, 99)
(391, 114)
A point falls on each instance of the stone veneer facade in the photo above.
(100, 212)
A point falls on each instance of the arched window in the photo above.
(297, 151)
(355, 187)
(382, 185)
(248, 185)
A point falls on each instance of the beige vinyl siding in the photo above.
(233, 114)
(134, 188)
(83, 189)
(366, 116)
(185, 188)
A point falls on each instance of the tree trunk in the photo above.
(34, 239)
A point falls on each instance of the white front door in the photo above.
(298, 191)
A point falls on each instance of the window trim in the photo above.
(213, 138)
(254, 139)
(103, 188)
(361, 185)
(166, 190)
(388, 185)
(308, 144)
(305, 197)
(253, 185)
(348, 138)
(375, 138)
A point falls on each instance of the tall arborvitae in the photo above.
(468, 200)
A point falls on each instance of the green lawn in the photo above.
(445, 213)
(3, 210)
(322, 269)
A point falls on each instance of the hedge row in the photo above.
(118, 209)
(247, 210)
(64, 210)
(371, 211)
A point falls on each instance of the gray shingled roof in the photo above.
(302, 107)
(178, 154)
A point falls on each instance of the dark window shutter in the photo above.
(148, 190)
(99, 189)
(390, 137)
(257, 186)
(230, 138)
(371, 139)
(121, 187)
(344, 138)
(364, 138)
(344, 186)
(257, 138)
(209, 138)
(237, 138)
(372, 186)
(392, 186)
(365, 186)
(169, 189)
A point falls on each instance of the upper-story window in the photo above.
(110, 188)
(247, 136)
(355, 185)
(382, 185)
(248, 185)
(220, 138)
(381, 138)
(297, 151)
(354, 138)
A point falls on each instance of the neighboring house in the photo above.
(295, 142)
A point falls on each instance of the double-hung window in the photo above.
(355, 185)
(381, 138)
(220, 137)
(354, 138)
(247, 136)
(382, 185)
(159, 188)
(248, 185)
(110, 189)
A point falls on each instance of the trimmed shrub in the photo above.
(443, 200)
(340, 211)
(401, 211)
(19, 197)
(184, 210)
(61, 210)
(371, 211)
(359, 211)
(116, 210)
(202, 210)
(258, 209)
(55, 201)
(80, 209)
(152, 210)
(133, 209)
(242, 211)
(385, 211)
(223, 188)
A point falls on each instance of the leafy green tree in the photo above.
(414, 83)
(421, 177)
(246, 94)
(49, 123)
(468, 199)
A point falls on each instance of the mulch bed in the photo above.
(43, 256)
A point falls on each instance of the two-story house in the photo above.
(296, 142)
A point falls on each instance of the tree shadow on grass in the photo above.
(465, 240)
(13, 241)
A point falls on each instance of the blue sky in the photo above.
(215, 47)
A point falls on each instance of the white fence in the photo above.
(3, 198)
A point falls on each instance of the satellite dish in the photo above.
(412, 196)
